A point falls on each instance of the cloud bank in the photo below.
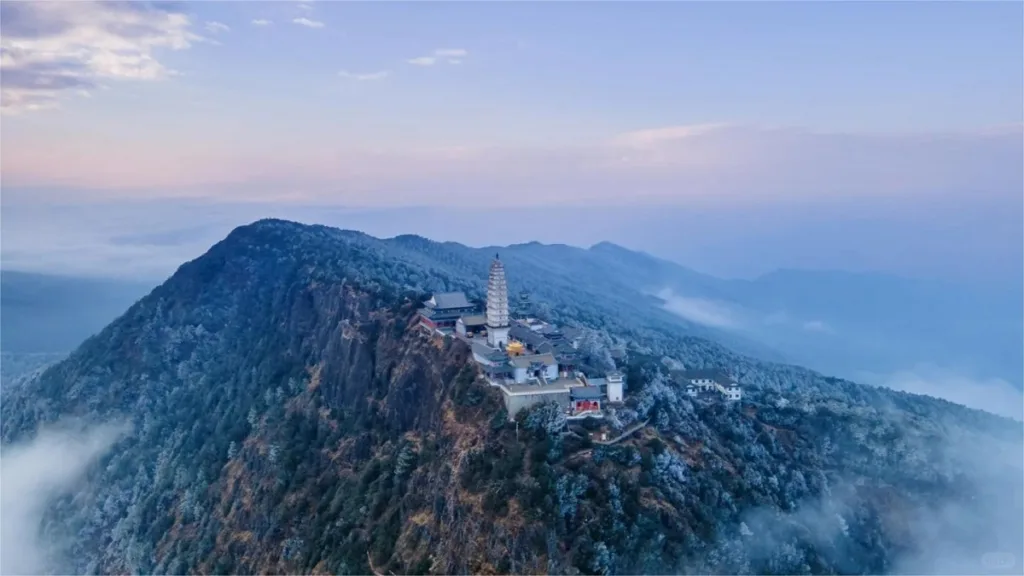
(363, 76)
(993, 395)
(31, 475)
(746, 166)
(49, 49)
(700, 310)
(974, 529)
(449, 55)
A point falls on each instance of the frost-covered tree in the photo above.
(568, 490)
(547, 416)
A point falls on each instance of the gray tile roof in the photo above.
(546, 348)
(571, 332)
(446, 300)
(474, 320)
(487, 351)
(526, 361)
(586, 393)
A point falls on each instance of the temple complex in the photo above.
(529, 360)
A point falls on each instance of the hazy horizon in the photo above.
(733, 139)
(149, 239)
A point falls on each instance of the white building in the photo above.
(497, 305)
(698, 381)
(614, 386)
(534, 367)
(520, 396)
(470, 325)
(734, 392)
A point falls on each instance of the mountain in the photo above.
(42, 313)
(271, 409)
(846, 323)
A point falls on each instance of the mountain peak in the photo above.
(606, 246)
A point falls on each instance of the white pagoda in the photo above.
(497, 306)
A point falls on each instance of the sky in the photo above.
(734, 137)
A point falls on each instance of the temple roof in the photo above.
(474, 320)
(586, 393)
(487, 351)
(445, 300)
(526, 361)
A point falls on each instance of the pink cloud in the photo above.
(717, 164)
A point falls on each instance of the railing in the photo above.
(629, 431)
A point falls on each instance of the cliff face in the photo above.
(286, 419)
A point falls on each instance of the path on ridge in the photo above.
(629, 431)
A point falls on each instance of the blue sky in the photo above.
(901, 121)
(578, 71)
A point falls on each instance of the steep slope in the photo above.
(284, 419)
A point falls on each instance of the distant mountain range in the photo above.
(861, 326)
(846, 323)
(856, 325)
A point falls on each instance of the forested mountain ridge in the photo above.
(285, 419)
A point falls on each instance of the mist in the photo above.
(699, 310)
(978, 242)
(993, 395)
(967, 520)
(35, 472)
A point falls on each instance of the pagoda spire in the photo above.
(497, 305)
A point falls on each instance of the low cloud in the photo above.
(308, 23)
(817, 326)
(449, 55)
(379, 75)
(261, 22)
(993, 395)
(784, 319)
(217, 27)
(961, 512)
(31, 475)
(974, 530)
(49, 49)
(700, 310)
